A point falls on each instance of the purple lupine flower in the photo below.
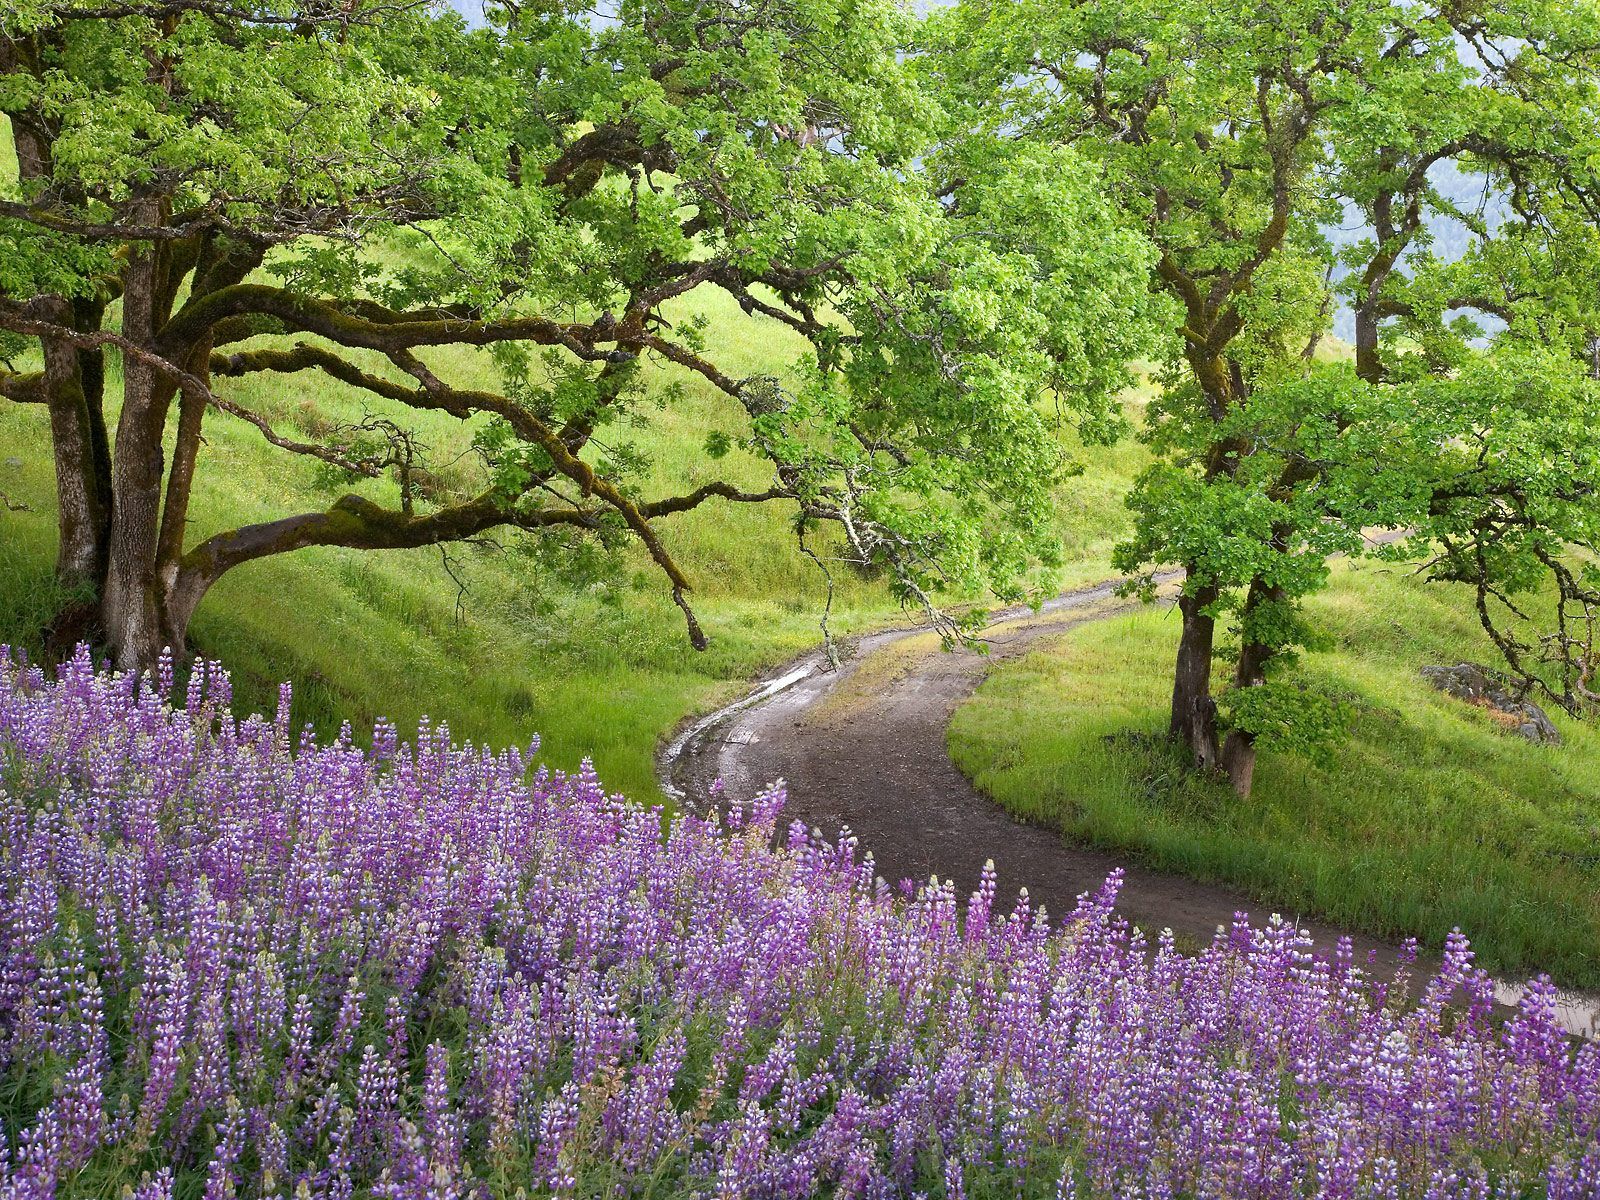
(220, 1183)
(282, 968)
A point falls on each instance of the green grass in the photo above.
(1430, 816)
(600, 668)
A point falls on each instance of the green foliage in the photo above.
(1239, 142)
(1288, 718)
(555, 187)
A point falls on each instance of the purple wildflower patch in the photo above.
(236, 963)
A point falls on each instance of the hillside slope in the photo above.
(1429, 817)
(501, 640)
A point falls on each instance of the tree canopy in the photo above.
(204, 183)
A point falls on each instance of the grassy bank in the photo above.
(1430, 816)
(501, 642)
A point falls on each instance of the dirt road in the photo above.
(863, 746)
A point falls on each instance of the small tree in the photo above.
(1240, 138)
(202, 183)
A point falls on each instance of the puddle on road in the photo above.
(1578, 1012)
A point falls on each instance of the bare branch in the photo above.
(370, 326)
(305, 358)
(678, 504)
(371, 468)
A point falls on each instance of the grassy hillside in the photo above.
(1429, 817)
(600, 667)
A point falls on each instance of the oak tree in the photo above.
(342, 192)
(1289, 160)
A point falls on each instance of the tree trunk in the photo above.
(1369, 366)
(1239, 748)
(1239, 761)
(81, 510)
(131, 605)
(180, 479)
(73, 396)
(1194, 712)
(89, 316)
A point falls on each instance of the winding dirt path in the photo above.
(863, 746)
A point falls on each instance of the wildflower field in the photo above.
(237, 963)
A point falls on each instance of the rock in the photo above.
(1486, 689)
(14, 463)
